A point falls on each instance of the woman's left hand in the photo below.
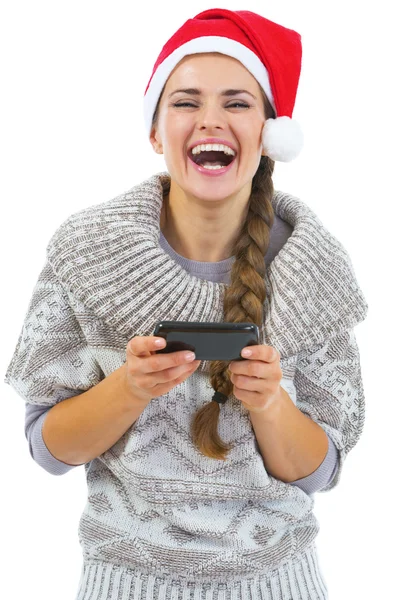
(256, 381)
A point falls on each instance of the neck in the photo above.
(204, 231)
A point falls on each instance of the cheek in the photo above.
(251, 133)
(177, 124)
(177, 134)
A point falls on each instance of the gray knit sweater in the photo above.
(35, 415)
(161, 519)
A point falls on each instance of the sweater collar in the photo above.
(109, 258)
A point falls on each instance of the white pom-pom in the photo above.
(282, 138)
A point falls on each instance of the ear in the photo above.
(155, 142)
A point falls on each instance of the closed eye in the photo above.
(242, 104)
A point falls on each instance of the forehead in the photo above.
(211, 70)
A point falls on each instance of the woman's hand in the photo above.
(257, 380)
(148, 374)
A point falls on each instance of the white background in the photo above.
(72, 135)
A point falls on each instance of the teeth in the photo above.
(209, 147)
(212, 167)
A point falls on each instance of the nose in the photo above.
(211, 117)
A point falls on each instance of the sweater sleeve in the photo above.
(52, 360)
(35, 416)
(329, 390)
(322, 476)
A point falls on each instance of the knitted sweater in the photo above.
(162, 520)
(35, 415)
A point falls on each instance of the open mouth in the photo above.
(211, 158)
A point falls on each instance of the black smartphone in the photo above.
(209, 341)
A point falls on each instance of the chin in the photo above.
(211, 191)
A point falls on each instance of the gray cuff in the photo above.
(41, 454)
(322, 476)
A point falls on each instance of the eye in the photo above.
(241, 104)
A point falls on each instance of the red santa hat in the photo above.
(272, 53)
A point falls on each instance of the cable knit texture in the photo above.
(35, 414)
(161, 520)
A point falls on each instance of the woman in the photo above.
(191, 493)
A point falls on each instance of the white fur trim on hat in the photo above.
(208, 43)
(282, 138)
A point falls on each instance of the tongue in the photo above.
(212, 158)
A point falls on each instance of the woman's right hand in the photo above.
(148, 374)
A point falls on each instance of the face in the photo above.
(184, 118)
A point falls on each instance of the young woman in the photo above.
(200, 474)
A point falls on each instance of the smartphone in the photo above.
(209, 341)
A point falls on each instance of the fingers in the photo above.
(167, 367)
(147, 347)
(144, 345)
(150, 374)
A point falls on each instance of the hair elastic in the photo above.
(220, 397)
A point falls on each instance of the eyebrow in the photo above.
(197, 92)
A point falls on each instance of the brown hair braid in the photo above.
(243, 301)
(244, 298)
